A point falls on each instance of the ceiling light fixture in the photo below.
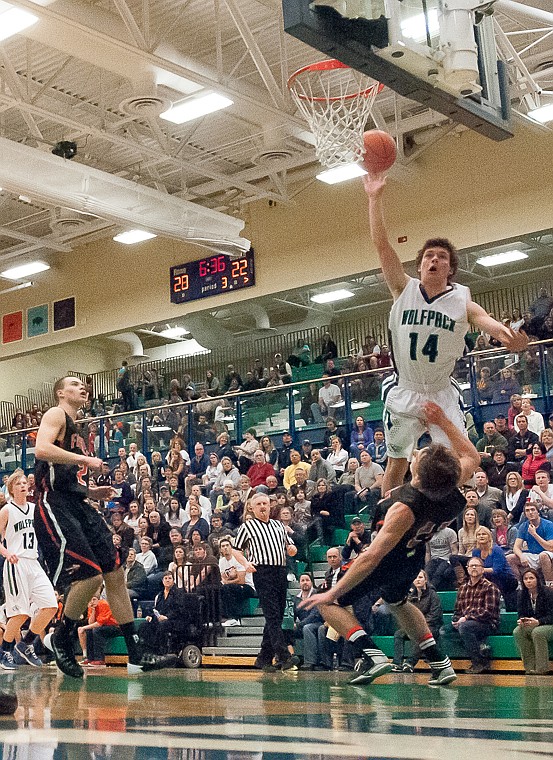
(506, 257)
(341, 173)
(14, 20)
(174, 332)
(194, 107)
(33, 267)
(331, 296)
(543, 114)
(133, 236)
(415, 27)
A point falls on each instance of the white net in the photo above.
(336, 102)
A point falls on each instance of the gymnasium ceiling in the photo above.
(84, 73)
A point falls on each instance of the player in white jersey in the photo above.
(26, 584)
(428, 322)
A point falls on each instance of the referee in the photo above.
(266, 544)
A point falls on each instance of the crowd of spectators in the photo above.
(174, 514)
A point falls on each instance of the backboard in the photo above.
(440, 54)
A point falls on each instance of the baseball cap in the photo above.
(164, 488)
(306, 442)
(356, 520)
(551, 416)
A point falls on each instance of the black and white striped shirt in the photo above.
(263, 543)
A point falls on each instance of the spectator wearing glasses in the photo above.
(476, 615)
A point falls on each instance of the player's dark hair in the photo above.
(441, 243)
(438, 471)
(58, 386)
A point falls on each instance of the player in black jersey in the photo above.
(413, 514)
(74, 539)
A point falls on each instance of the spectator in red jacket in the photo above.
(100, 626)
(260, 470)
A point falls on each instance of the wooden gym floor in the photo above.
(217, 714)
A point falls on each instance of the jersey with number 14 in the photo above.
(428, 335)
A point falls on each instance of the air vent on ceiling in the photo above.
(145, 105)
(271, 156)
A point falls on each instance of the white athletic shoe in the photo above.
(230, 623)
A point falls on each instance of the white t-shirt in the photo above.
(226, 564)
(440, 543)
(205, 506)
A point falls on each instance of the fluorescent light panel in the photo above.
(14, 20)
(33, 267)
(341, 173)
(194, 107)
(414, 27)
(506, 257)
(543, 114)
(332, 295)
(174, 332)
(133, 236)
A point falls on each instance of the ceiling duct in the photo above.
(53, 180)
(67, 222)
(135, 346)
(146, 102)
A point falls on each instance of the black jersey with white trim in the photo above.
(430, 516)
(64, 477)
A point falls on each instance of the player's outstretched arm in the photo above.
(469, 458)
(392, 268)
(397, 522)
(514, 341)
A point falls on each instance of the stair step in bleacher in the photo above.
(239, 642)
(222, 651)
(245, 630)
(249, 622)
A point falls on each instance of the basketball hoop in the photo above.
(336, 101)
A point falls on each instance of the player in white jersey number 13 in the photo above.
(28, 592)
(428, 323)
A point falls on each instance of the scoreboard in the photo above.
(211, 276)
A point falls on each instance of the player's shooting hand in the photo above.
(514, 341)
(314, 601)
(374, 184)
(93, 463)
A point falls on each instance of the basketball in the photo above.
(380, 151)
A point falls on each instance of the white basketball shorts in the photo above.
(403, 416)
(27, 588)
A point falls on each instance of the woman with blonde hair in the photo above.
(467, 542)
(513, 497)
(496, 567)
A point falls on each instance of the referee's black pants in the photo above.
(271, 584)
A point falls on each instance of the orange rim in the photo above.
(330, 65)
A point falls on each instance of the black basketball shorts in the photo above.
(74, 539)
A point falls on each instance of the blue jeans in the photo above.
(473, 635)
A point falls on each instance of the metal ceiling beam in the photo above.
(130, 22)
(248, 96)
(202, 169)
(12, 80)
(257, 56)
(44, 242)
